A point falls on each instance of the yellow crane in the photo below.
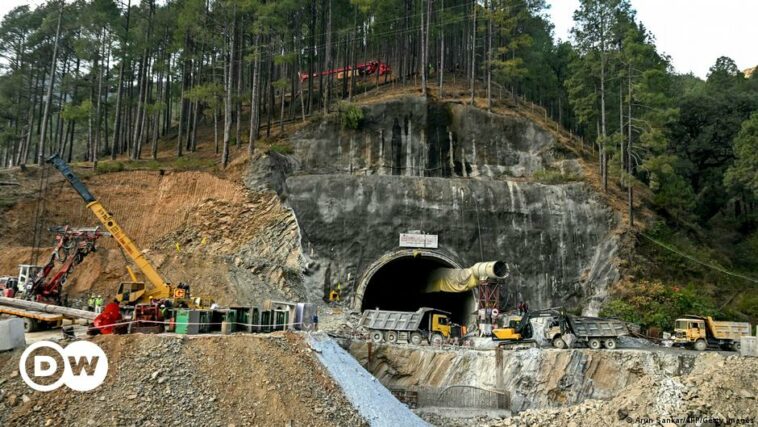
(134, 292)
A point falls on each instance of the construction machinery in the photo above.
(136, 292)
(72, 246)
(700, 332)
(518, 327)
(359, 70)
(129, 292)
(563, 330)
(593, 332)
(424, 325)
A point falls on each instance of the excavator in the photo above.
(518, 329)
(145, 300)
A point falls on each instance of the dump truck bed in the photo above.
(393, 320)
(596, 327)
(729, 330)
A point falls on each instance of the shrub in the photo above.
(280, 148)
(351, 116)
(110, 166)
(655, 304)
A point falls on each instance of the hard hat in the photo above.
(163, 305)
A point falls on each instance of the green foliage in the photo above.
(351, 116)
(554, 176)
(77, 112)
(670, 189)
(744, 172)
(655, 304)
(109, 166)
(281, 149)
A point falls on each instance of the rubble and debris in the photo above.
(718, 387)
(159, 380)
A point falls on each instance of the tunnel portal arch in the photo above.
(396, 280)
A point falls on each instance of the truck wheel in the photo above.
(594, 343)
(391, 337)
(416, 338)
(436, 340)
(700, 345)
(377, 337)
(736, 346)
(610, 343)
(559, 343)
(30, 325)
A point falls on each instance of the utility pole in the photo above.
(48, 101)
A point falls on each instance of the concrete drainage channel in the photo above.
(374, 402)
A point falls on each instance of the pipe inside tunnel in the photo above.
(399, 284)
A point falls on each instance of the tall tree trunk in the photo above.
(120, 93)
(48, 101)
(473, 52)
(255, 97)
(327, 62)
(489, 56)
(238, 102)
(228, 96)
(603, 130)
(442, 44)
(630, 170)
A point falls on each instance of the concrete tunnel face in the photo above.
(399, 284)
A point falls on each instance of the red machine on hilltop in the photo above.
(366, 69)
(72, 245)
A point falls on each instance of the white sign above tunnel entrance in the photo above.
(418, 240)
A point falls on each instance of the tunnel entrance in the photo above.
(399, 283)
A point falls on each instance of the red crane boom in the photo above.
(366, 69)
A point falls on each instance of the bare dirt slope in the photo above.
(190, 224)
(203, 381)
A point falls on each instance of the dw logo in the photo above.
(84, 364)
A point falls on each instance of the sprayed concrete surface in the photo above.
(372, 400)
(534, 378)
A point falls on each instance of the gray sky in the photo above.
(693, 32)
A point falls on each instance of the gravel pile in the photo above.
(181, 381)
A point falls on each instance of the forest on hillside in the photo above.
(98, 79)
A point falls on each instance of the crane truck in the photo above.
(134, 293)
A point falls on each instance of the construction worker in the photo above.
(315, 321)
(91, 302)
(99, 304)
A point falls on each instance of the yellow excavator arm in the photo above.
(162, 288)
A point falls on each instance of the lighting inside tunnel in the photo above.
(400, 284)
